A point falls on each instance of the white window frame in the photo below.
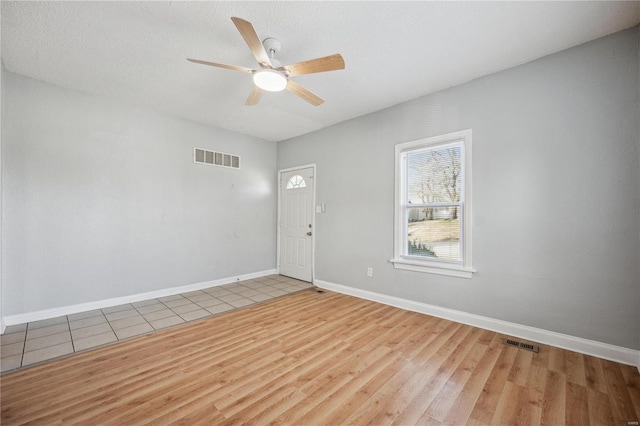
(400, 259)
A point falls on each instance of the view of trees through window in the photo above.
(434, 195)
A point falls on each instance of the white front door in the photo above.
(296, 223)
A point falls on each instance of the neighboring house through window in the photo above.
(433, 205)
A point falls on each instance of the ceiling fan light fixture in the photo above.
(270, 80)
(272, 76)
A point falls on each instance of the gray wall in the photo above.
(1, 229)
(103, 200)
(555, 190)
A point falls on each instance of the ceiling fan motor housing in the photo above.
(272, 46)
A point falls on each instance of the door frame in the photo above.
(313, 216)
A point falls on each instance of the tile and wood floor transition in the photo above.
(322, 359)
(27, 344)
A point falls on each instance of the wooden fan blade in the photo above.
(253, 41)
(229, 67)
(305, 94)
(254, 97)
(327, 63)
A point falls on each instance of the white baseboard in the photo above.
(83, 307)
(564, 341)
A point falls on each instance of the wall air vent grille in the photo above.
(526, 346)
(213, 158)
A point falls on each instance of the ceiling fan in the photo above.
(272, 76)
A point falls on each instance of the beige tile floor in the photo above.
(27, 344)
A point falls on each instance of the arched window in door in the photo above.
(296, 181)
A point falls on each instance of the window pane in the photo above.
(434, 232)
(434, 176)
(296, 181)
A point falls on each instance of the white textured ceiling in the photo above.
(394, 51)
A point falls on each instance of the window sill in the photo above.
(431, 268)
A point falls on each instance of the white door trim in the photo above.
(313, 217)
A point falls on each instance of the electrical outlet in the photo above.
(370, 272)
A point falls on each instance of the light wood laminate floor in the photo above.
(322, 359)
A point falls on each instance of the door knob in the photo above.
(309, 233)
